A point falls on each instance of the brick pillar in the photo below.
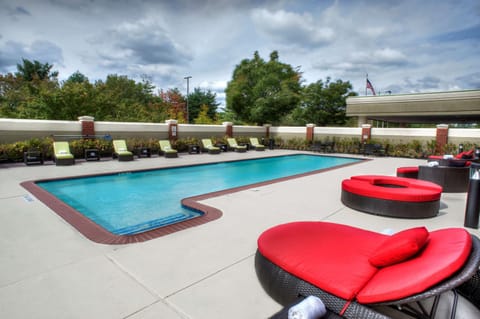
(228, 128)
(310, 132)
(172, 129)
(267, 130)
(88, 126)
(366, 133)
(442, 138)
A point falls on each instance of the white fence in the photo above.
(13, 130)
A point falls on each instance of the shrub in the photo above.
(181, 145)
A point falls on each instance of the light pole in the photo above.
(187, 78)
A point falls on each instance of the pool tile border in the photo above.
(98, 234)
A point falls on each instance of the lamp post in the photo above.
(187, 78)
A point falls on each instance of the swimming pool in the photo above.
(129, 203)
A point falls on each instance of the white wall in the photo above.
(12, 130)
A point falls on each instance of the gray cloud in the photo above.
(12, 52)
(470, 81)
(407, 45)
(291, 28)
(144, 43)
(13, 11)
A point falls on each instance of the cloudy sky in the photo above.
(404, 46)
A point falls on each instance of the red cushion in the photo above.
(399, 247)
(407, 169)
(331, 256)
(465, 155)
(446, 252)
(407, 190)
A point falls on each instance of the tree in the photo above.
(263, 92)
(203, 117)
(23, 94)
(77, 77)
(122, 99)
(35, 70)
(14, 96)
(324, 103)
(175, 104)
(197, 99)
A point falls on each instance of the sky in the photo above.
(404, 46)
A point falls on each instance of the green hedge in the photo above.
(13, 152)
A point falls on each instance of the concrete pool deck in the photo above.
(49, 270)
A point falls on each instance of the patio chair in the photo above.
(392, 196)
(358, 273)
(121, 151)
(207, 146)
(256, 145)
(62, 154)
(232, 144)
(167, 150)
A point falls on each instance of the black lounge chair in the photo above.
(167, 150)
(207, 146)
(362, 274)
(232, 144)
(255, 144)
(62, 154)
(121, 152)
(453, 179)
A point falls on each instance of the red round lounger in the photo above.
(392, 196)
(363, 274)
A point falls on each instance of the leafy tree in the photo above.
(203, 116)
(22, 94)
(77, 77)
(122, 99)
(14, 96)
(30, 71)
(323, 103)
(34, 92)
(175, 104)
(262, 92)
(197, 99)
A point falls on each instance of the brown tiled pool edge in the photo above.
(100, 235)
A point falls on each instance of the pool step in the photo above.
(135, 229)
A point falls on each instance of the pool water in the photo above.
(134, 202)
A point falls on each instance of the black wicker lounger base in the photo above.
(287, 289)
(390, 208)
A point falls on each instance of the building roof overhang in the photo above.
(438, 107)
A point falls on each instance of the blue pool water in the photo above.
(133, 202)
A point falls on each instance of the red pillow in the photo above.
(399, 247)
(465, 155)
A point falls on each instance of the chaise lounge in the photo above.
(453, 179)
(256, 145)
(62, 154)
(392, 196)
(358, 273)
(232, 144)
(167, 150)
(207, 146)
(121, 152)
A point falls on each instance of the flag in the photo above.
(370, 86)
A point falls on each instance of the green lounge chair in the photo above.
(166, 149)
(232, 144)
(207, 146)
(120, 150)
(62, 154)
(256, 145)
